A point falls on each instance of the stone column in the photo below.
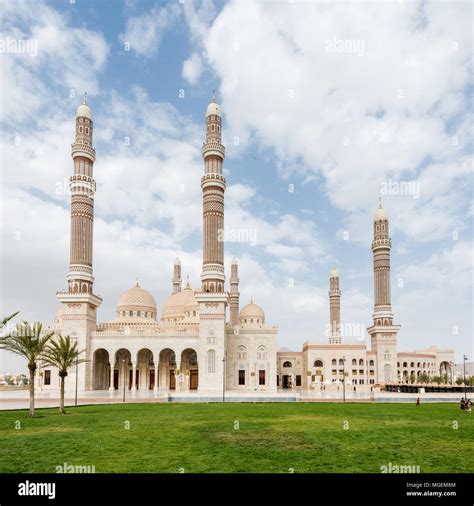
(155, 388)
(112, 368)
(134, 368)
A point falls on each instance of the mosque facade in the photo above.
(202, 341)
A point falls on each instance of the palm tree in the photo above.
(62, 354)
(27, 342)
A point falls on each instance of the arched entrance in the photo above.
(123, 369)
(145, 374)
(167, 369)
(189, 366)
(100, 370)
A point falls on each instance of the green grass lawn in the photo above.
(276, 438)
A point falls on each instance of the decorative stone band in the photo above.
(213, 268)
(213, 148)
(85, 150)
(89, 298)
(80, 275)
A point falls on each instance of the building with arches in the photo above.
(201, 341)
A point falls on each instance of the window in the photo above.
(241, 377)
(211, 361)
(298, 380)
(354, 372)
(139, 313)
(371, 363)
(47, 377)
(361, 371)
(261, 353)
(242, 353)
(80, 129)
(361, 362)
(286, 364)
(412, 364)
(212, 128)
(318, 363)
(341, 362)
(354, 361)
(334, 372)
(334, 362)
(261, 377)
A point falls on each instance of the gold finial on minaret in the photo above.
(137, 284)
(84, 100)
(213, 96)
(380, 202)
(187, 282)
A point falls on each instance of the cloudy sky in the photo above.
(326, 107)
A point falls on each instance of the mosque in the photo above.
(202, 342)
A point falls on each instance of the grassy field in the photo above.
(276, 438)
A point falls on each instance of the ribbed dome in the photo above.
(136, 299)
(178, 304)
(252, 311)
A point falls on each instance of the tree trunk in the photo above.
(61, 400)
(32, 391)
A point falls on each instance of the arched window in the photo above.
(261, 353)
(334, 361)
(354, 361)
(412, 364)
(139, 313)
(361, 361)
(405, 364)
(371, 363)
(318, 363)
(242, 353)
(341, 362)
(287, 364)
(211, 361)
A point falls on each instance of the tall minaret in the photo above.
(383, 333)
(79, 303)
(212, 298)
(82, 185)
(213, 187)
(234, 293)
(177, 276)
(334, 307)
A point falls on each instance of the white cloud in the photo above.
(144, 33)
(193, 68)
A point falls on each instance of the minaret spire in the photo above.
(177, 275)
(334, 307)
(213, 186)
(82, 185)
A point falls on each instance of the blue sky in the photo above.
(334, 101)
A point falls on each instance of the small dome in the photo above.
(136, 299)
(213, 107)
(334, 273)
(84, 110)
(252, 311)
(177, 261)
(234, 261)
(178, 304)
(380, 214)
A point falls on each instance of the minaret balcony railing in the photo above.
(210, 148)
(82, 148)
(381, 242)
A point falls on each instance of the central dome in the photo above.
(136, 302)
(180, 305)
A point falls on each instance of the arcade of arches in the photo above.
(145, 371)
